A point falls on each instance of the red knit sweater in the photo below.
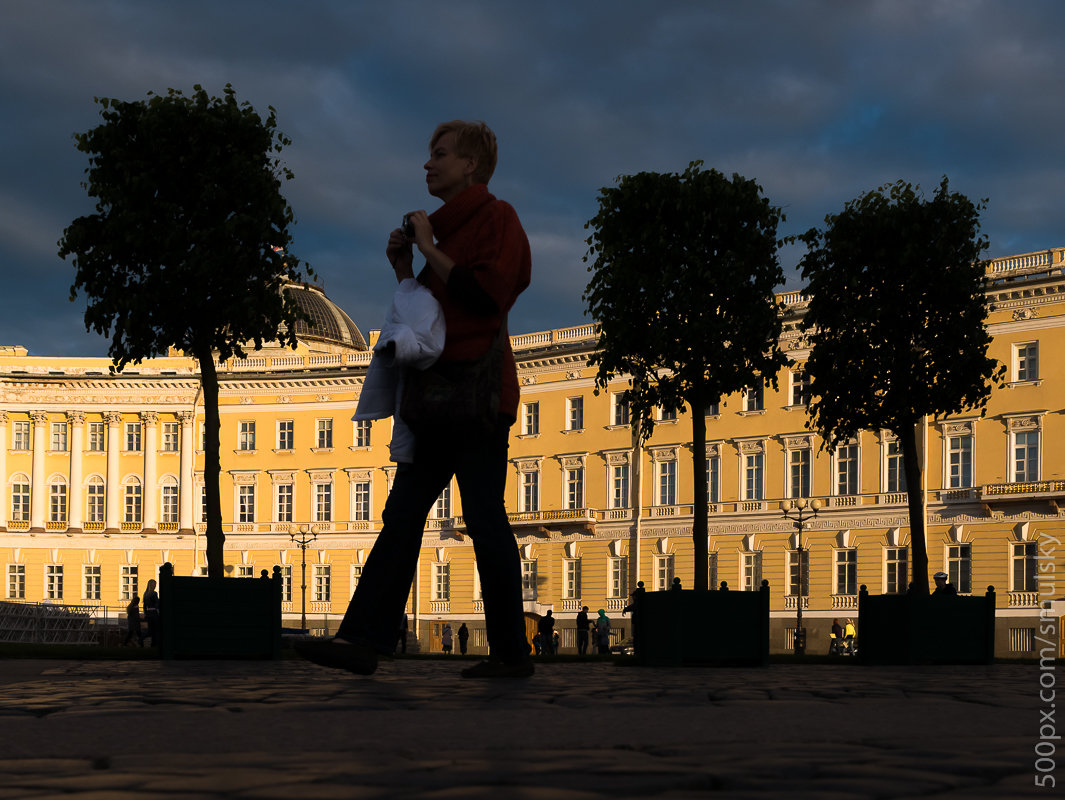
(484, 238)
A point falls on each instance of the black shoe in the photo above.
(500, 669)
(355, 657)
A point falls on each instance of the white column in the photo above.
(113, 490)
(151, 454)
(39, 497)
(74, 501)
(186, 487)
(4, 508)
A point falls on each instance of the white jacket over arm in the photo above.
(413, 336)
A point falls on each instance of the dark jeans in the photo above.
(582, 641)
(480, 466)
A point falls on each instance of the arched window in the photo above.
(20, 497)
(95, 508)
(133, 496)
(168, 499)
(57, 499)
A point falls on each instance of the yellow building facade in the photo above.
(101, 482)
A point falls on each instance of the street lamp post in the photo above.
(307, 535)
(800, 512)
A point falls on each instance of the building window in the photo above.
(575, 488)
(53, 581)
(442, 507)
(97, 437)
(800, 387)
(667, 483)
(754, 476)
(286, 583)
(356, 576)
(128, 587)
(21, 436)
(442, 581)
(528, 578)
(94, 500)
(20, 498)
(847, 470)
(575, 413)
(171, 437)
(361, 501)
(362, 433)
(246, 441)
(1025, 456)
(960, 462)
(203, 504)
(1027, 361)
(59, 437)
(324, 428)
(619, 496)
(246, 503)
(712, 409)
(619, 576)
(571, 579)
(667, 414)
(321, 583)
(57, 501)
(799, 573)
(960, 567)
(621, 409)
(1025, 565)
(896, 563)
(847, 571)
(530, 419)
(754, 399)
(283, 502)
(751, 563)
(91, 577)
(245, 571)
(530, 491)
(16, 582)
(133, 437)
(713, 479)
(286, 434)
(132, 503)
(663, 571)
(169, 501)
(895, 469)
(799, 463)
(323, 502)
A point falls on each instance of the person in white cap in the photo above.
(943, 585)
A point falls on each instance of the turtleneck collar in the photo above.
(453, 214)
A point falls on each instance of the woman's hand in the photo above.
(400, 255)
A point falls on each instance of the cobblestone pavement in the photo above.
(289, 729)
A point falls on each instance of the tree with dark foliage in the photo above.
(896, 324)
(186, 245)
(683, 272)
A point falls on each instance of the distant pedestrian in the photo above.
(554, 642)
(445, 641)
(582, 631)
(546, 626)
(464, 638)
(151, 612)
(836, 638)
(401, 634)
(943, 585)
(848, 637)
(538, 648)
(133, 622)
(602, 632)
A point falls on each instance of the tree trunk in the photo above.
(211, 465)
(700, 527)
(915, 501)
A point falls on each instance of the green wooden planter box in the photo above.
(926, 629)
(219, 617)
(681, 627)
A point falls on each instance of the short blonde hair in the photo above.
(472, 140)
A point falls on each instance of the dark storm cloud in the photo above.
(818, 101)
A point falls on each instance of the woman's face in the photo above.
(446, 172)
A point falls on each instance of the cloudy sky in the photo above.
(817, 100)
